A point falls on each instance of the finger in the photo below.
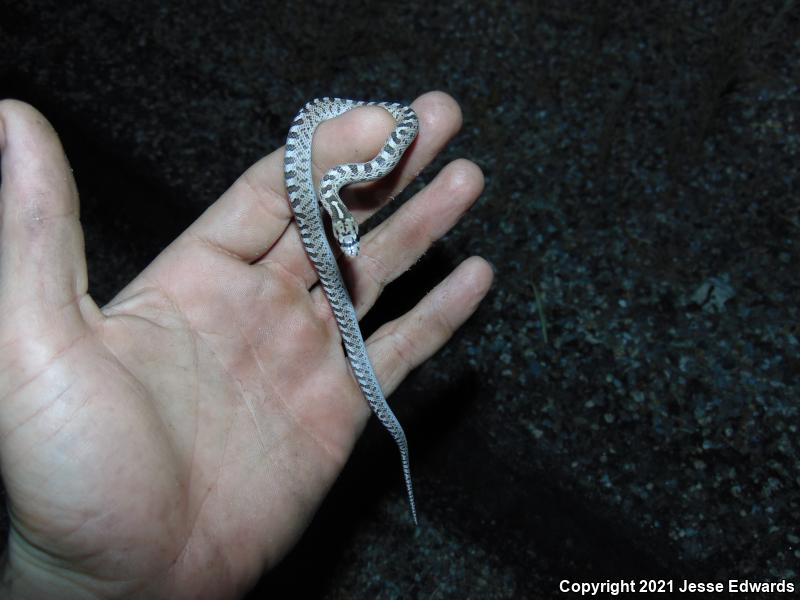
(254, 213)
(440, 120)
(401, 345)
(41, 241)
(391, 248)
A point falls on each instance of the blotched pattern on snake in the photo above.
(305, 204)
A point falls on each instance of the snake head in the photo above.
(346, 233)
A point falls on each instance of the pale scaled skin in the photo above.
(177, 441)
(300, 187)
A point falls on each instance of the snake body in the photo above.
(305, 205)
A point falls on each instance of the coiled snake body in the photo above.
(305, 204)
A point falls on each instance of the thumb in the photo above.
(42, 262)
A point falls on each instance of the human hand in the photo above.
(176, 442)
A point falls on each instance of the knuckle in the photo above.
(403, 349)
(272, 202)
(377, 271)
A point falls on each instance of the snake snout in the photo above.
(350, 248)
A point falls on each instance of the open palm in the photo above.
(177, 441)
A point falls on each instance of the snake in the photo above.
(306, 202)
